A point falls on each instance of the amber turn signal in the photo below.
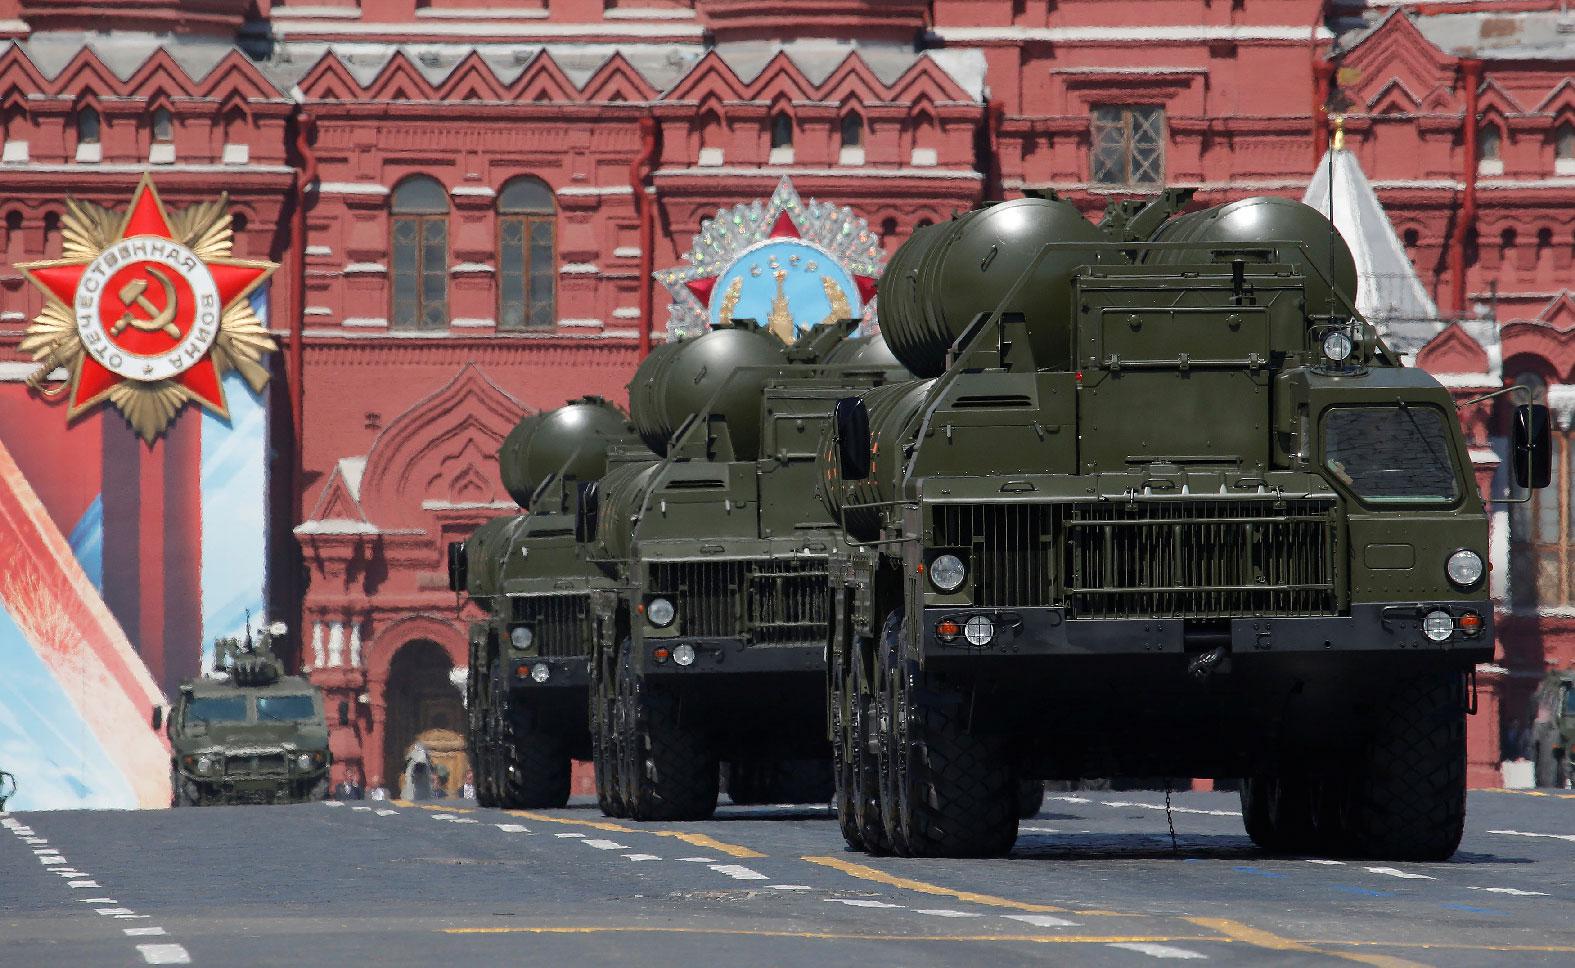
(947, 629)
(660, 654)
(1470, 623)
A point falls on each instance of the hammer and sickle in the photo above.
(134, 293)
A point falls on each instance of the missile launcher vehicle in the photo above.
(711, 648)
(247, 733)
(1160, 503)
(526, 686)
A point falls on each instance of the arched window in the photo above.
(1564, 149)
(781, 139)
(87, 127)
(1542, 531)
(852, 139)
(1490, 143)
(527, 255)
(420, 251)
(163, 125)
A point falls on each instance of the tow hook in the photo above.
(1206, 664)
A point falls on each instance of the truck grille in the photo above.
(561, 624)
(773, 601)
(1157, 559)
(262, 763)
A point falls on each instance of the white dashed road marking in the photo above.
(113, 910)
(164, 954)
(1331, 863)
(1522, 833)
(142, 932)
(1396, 872)
(605, 844)
(333, 803)
(1514, 891)
(1158, 950)
(1041, 920)
(80, 884)
(567, 836)
(512, 828)
(738, 872)
(948, 913)
(698, 860)
(862, 902)
(387, 813)
(639, 857)
(791, 887)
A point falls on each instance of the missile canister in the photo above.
(725, 369)
(511, 462)
(891, 409)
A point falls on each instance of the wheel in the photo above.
(1279, 813)
(668, 768)
(952, 793)
(842, 754)
(186, 793)
(1030, 798)
(1408, 793)
(864, 761)
(604, 746)
(535, 762)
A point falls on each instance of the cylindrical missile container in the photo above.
(865, 352)
(484, 552)
(725, 369)
(619, 497)
(891, 408)
(945, 275)
(1263, 219)
(572, 441)
(511, 459)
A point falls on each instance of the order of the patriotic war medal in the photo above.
(147, 311)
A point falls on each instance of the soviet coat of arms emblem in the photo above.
(147, 311)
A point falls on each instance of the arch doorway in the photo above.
(420, 699)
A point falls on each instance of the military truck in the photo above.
(711, 648)
(527, 684)
(247, 733)
(1553, 730)
(1162, 503)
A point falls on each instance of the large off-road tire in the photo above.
(1030, 798)
(842, 753)
(479, 743)
(1408, 795)
(535, 762)
(669, 771)
(949, 792)
(319, 790)
(184, 793)
(1280, 813)
(604, 743)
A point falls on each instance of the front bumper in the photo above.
(1387, 627)
(733, 656)
(573, 672)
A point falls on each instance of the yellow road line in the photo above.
(436, 809)
(1450, 946)
(1259, 938)
(922, 887)
(710, 843)
(854, 936)
(616, 828)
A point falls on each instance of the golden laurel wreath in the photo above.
(55, 337)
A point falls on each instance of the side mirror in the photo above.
(458, 566)
(853, 439)
(344, 713)
(1532, 447)
(158, 718)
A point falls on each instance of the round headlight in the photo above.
(1337, 346)
(204, 764)
(979, 630)
(684, 654)
(304, 761)
(521, 637)
(540, 672)
(660, 611)
(947, 573)
(1464, 568)
(1437, 625)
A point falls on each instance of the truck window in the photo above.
(286, 707)
(1391, 455)
(217, 709)
(1569, 701)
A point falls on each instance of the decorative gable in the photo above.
(1454, 351)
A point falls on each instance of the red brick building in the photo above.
(469, 203)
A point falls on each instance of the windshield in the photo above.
(1391, 455)
(217, 709)
(1569, 701)
(295, 706)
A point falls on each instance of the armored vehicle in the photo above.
(711, 648)
(1162, 504)
(1553, 730)
(248, 733)
(526, 688)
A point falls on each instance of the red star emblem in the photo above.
(148, 306)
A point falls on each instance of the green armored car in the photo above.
(247, 733)
(1553, 730)
(1160, 504)
(528, 679)
(711, 644)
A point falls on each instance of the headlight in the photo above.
(540, 672)
(684, 655)
(1437, 625)
(304, 761)
(947, 573)
(660, 611)
(1337, 346)
(1464, 568)
(204, 764)
(521, 637)
(979, 630)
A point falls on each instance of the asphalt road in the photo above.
(1094, 880)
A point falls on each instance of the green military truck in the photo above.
(527, 682)
(712, 646)
(1161, 504)
(1553, 730)
(247, 733)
